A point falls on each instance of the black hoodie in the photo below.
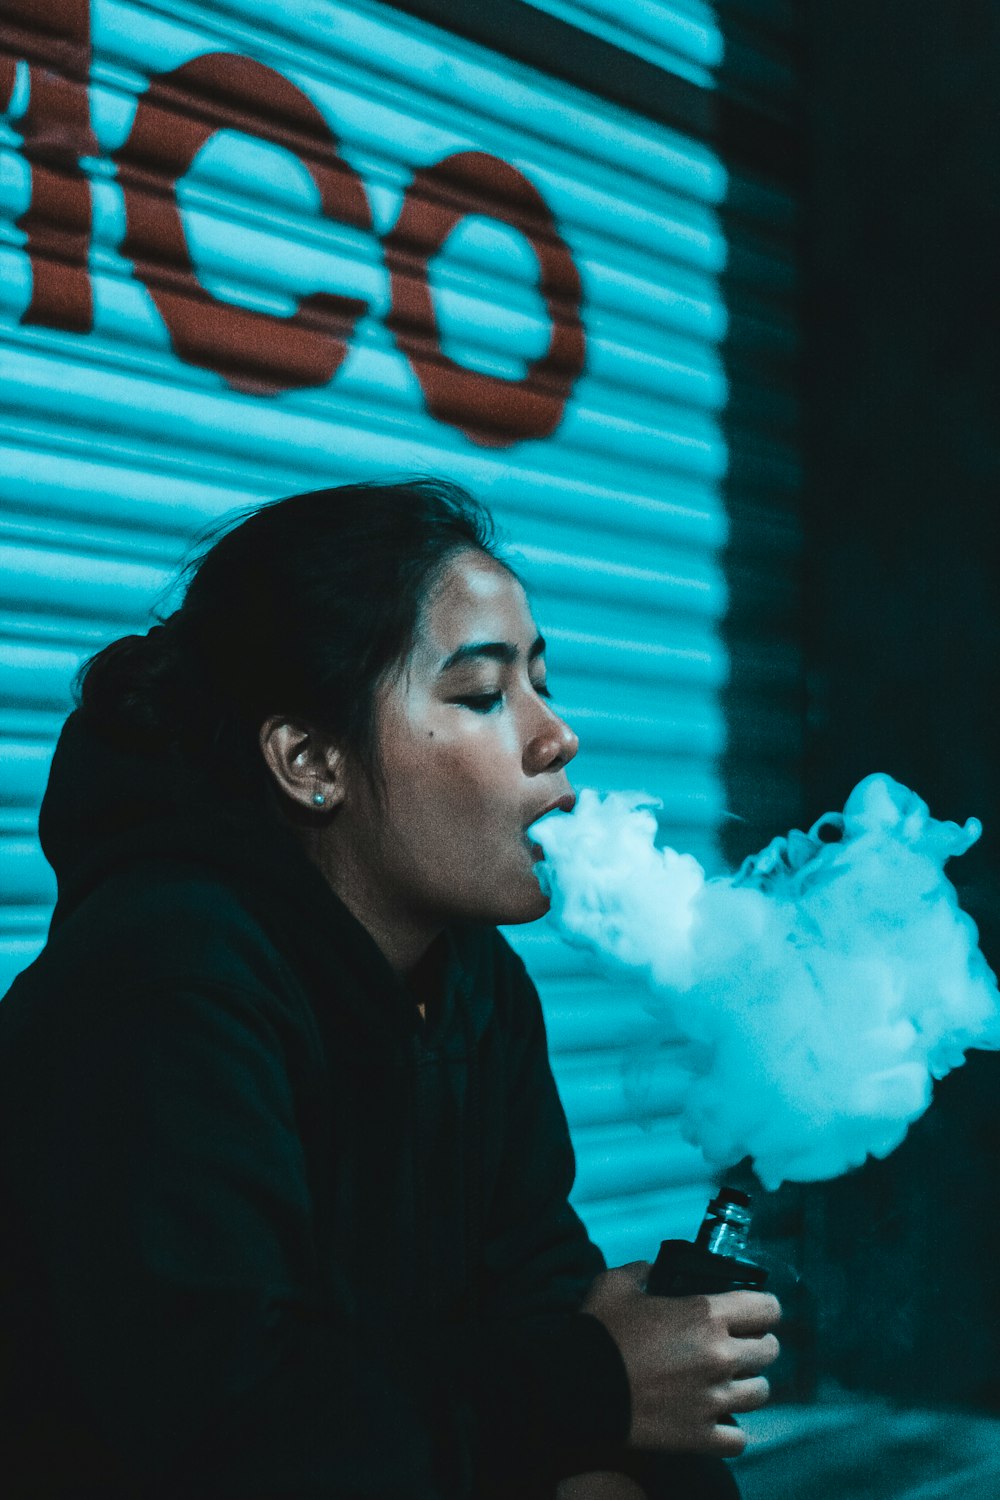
(263, 1233)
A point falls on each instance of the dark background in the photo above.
(900, 612)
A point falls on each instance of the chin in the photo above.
(527, 906)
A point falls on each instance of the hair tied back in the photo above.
(129, 691)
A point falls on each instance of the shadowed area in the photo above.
(864, 1448)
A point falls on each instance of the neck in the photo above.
(403, 944)
(402, 936)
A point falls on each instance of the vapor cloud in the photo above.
(827, 983)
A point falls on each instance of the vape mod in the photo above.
(716, 1260)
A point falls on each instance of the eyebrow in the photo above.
(504, 651)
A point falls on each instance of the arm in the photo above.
(538, 1257)
(669, 1369)
(548, 1382)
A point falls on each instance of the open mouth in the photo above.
(565, 804)
(534, 848)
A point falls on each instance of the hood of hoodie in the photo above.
(107, 809)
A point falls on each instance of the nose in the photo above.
(552, 743)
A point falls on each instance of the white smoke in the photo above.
(828, 982)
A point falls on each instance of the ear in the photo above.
(307, 766)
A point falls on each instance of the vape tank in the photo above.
(716, 1260)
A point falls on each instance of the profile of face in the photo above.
(470, 753)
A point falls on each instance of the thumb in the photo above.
(610, 1287)
(634, 1271)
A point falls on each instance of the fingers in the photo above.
(726, 1441)
(752, 1355)
(723, 1439)
(747, 1314)
(745, 1395)
(689, 1360)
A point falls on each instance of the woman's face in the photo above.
(471, 754)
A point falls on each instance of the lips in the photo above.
(565, 803)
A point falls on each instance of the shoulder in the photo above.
(157, 924)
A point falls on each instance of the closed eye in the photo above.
(480, 703)
(484, 703)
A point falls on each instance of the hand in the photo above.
(600, 1485)
(690, 1361)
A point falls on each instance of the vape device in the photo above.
(716, 1260)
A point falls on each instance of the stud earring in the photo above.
(318, 799)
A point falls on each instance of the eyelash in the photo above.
(481, 703)
(484, 703)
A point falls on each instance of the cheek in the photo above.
(456, 814)
(453, 783)
(462, 791)
(471, 771)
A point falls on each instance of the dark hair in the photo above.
(301, 607)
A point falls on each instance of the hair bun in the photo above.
(130, 690)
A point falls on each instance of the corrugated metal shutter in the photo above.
(250, 249)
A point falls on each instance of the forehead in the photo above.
(476, 598)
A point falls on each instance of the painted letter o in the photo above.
(490, 411)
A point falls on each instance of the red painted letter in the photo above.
(57, 132)
(253, 351)
(489, 410)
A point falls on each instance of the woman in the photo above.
(284, 1171)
